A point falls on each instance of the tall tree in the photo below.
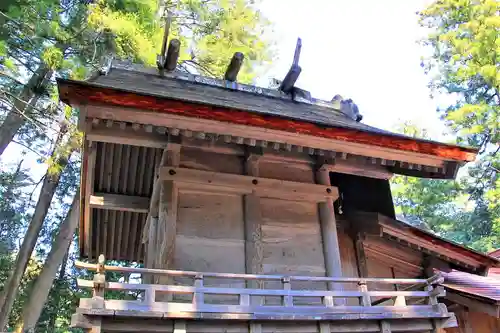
(41, 288)
(65, 144)
(465, 62)
(41, 39)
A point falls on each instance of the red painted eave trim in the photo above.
(84, 93)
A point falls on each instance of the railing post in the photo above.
(150, 294)
(198, 297)
(287, 300)
(99, 284)
(434, 280)
(400, 301)
(365, 299)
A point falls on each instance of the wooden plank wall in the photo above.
(211, 225)
(210, 229)
(474, 322)
(386, 258)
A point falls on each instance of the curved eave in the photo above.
(73, 92)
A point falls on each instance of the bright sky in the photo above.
(361, 49)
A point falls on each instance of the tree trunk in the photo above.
(52, 323)
(50, 182)
(42, 286)
(25, 102)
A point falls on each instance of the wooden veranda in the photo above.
(179, 307)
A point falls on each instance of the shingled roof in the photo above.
(138, 87)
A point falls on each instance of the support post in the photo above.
(331, 250)
(253, 230)
(99, 284)
(253, 236)
(385, 326)
(154, 233)
(89, 190)
(96, 326)
(167, 217)
(359, 250)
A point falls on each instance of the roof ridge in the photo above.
(229, 85)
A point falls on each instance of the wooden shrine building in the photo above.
(251, 210)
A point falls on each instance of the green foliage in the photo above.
(464, 40)
(445, 207)
(210, 33)
(466, 61)
(12, 207)
(53, 57)
(72, 38)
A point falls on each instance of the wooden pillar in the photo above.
(253, 228)
(359, 249)
(253, 236)
(89, 190)
(331, 250)
(167, 216)
(159, 232)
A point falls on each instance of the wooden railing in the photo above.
(160, 300)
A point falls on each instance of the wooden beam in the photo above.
(267, 134)
(124, 137)
(125, 203)
(167, 216)
(358, 169)
(155, 324)
(385, 326)
(82, 118)
(287, 291)
(232, 276)
(263, 187)
(422, 239)
(253, 228)
(359, 250)
(469, 302)
(266, 312)
(88, 191)
(331, 250)
(149, 233)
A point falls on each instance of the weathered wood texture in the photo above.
(210, 237)
(142, 84)
(121, 170)
(198, 180)
(135, 324)
(470, 321)
(281, 138)
(253, 231)
(289, 309)
(388, 258)
(118, 202)
(200, 159)
(330, 240)
(291, 243)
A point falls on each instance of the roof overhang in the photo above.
(426, 242)
(399, 154)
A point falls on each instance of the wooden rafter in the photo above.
(82, 93)
(312, 144)
(117, 202)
